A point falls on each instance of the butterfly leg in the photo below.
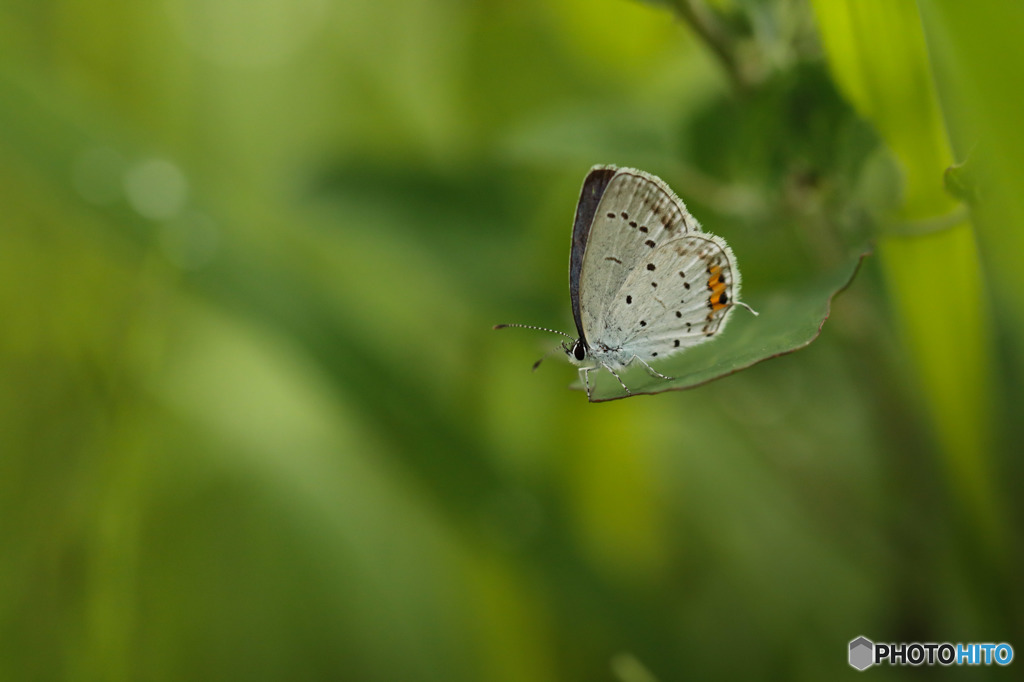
(614, 374)
(585, 375)
(653, 372)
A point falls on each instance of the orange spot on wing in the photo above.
(718, 290)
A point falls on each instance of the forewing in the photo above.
(594, 186)
(680, 295)
(637, 214)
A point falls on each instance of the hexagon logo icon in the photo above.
(862, 652)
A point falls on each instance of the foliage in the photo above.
(256, 424)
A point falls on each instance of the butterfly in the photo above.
(645, 282)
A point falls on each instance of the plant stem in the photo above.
(710, 28)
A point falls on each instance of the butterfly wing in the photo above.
(637, 213)
(678, 296)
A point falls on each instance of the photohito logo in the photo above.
(864, 653)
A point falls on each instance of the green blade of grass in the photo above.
(877, 54)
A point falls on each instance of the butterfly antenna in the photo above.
(545, 356)
(540, 329)
(741, 303)
(530, 326)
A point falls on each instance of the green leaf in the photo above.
(790, 318)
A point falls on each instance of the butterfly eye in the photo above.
(578, 351)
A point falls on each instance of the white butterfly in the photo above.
(645, 282)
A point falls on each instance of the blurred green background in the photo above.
(254, 421)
